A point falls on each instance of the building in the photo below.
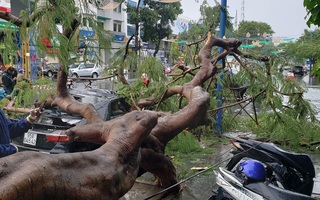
(114, 18)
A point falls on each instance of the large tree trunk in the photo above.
(106, 173)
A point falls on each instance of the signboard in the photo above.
(87, 33)
(118, 38)
(5, 5)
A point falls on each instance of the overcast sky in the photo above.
(286, 17)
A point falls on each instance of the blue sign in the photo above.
(119, 38)
(87, 33)
(309, 62)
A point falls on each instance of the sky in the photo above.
(286, 17)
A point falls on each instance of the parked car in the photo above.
(45, 136)
(298, 70)
(85, 70)
(51, 69)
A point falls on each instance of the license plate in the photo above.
(30, 138)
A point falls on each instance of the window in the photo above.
(84, 21)
(88, 22)
(117, 9)
(117, 26)
(89, 65)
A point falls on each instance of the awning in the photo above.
(264, 42)
(103, 18)
(181, 42)
(248, 46)
(4, 24)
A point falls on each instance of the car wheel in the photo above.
(50, 74)
(94, 75)
(74, 76)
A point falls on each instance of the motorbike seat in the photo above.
(270, 191)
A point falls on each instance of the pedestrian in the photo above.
(10, 129)
(8, 80)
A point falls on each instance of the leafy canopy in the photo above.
(256, 29)
(313, 8)
(155, 19)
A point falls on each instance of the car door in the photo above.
(81, 69)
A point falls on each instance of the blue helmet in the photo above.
(251, 169)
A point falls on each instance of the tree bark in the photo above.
(106, 173)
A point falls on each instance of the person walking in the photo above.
(10, 129)
(8, 80)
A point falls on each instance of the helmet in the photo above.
(251, 169)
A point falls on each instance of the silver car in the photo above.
(85, 70)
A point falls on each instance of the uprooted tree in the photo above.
(131, 145)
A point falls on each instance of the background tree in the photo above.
(155, 19)
(256, 29)
(193, 34)
(210, 17)
(208, 22)
(313, 12)
(306, 47)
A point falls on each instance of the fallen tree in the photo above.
(106, 173)
(132, 144)
(123, 135)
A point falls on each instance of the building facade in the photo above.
(113, 19)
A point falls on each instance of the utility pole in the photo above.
(223, 21)
(26, 56)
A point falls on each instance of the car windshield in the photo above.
(54, 65)
(74, 65)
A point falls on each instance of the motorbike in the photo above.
(261, 170)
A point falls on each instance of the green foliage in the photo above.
(156, 18)
(313, 8)
(210, 21)
(152, 68)
(256, 29)
(26, 96)
(175, 52)
(211, 17)
(184, 143)
(306, 47)
(290, 132)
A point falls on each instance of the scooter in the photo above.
(261, 170)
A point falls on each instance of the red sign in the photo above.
(5, 9)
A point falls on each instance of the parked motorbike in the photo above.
(261, 170)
